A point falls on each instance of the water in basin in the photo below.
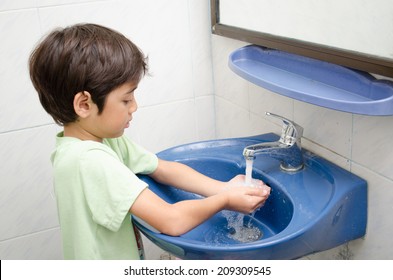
(240, 228)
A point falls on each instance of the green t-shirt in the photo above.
(95, 186)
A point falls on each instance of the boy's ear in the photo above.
(83, 104)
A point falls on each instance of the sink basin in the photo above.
(315, 209)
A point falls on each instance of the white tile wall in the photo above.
(262, 100)
(28, 212)
(378, 242)
(19, 107)
(43, 245)
(226, 85)
(8, 5)
(205, 117)
(336, 125)
(176, 103)
(27, 203)
(372, 143)
(165, 125)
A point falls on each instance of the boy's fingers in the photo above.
(259, 191)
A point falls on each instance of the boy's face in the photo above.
(116, 116)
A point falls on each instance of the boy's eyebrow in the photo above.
(131, 90)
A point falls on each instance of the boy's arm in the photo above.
(184, 177)
(179, 218)
(176, 219)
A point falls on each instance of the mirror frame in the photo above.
(351, 59)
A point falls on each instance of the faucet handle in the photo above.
(291, 132)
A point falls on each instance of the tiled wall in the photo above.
(361, 144)
(176, 103)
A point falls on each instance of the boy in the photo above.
(86, 76)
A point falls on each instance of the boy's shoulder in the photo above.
(73, 147)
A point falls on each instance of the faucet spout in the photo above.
(287, 149)
(250, 152)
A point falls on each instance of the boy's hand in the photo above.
(246, 199)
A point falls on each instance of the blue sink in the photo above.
(315, 209)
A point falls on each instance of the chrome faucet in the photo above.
(287, 149)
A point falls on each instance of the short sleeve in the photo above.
(110, 188)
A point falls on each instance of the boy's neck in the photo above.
(76, 131)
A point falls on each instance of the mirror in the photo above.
(352, 33)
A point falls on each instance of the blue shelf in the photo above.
(314, 81)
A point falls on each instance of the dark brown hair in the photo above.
(82, 57)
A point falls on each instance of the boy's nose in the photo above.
(134, 107)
